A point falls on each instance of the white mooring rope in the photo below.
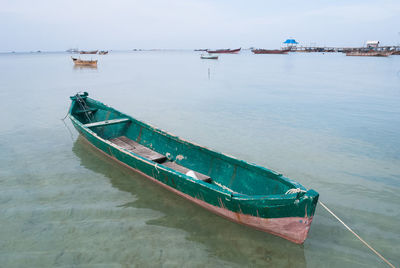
(295, 191)
(362, 240)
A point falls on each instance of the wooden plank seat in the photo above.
(139, 149)
(184, 170)
(107, 122)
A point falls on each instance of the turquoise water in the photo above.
(328, 121)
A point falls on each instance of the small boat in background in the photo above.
(72, 50)
(103, 52)
(270, 51)
(229, 51)
(88, 52)
(239, 191)
(79, 62)
(209, 57)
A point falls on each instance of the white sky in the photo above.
(27, 25)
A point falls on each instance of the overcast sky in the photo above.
(27, 25)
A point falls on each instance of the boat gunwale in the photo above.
(242, 163)
(141, 158)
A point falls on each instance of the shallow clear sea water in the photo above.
(328, 121)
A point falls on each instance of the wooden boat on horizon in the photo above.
(228, 51)
(79, 62)
(88, 52)
(239, 191)
(270, 51)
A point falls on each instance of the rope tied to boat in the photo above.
(67, 111)
(356, 235)
(84, 107)
(295, 191)
(77, 94)
(223, 187)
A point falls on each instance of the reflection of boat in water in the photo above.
(270, 51)
(81, 67)
(242, 192)
(176, 213)
(88, 52)
(103, 52)
(228, 51)
(209, 57)
(368, 54)
(79, 62)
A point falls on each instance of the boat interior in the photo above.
(182, 156)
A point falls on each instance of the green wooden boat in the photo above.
(242, 192)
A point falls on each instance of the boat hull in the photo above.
(287, 216)
(89, 63)
(209, 57)
(294, 229)
(226, 51)
(88, 52)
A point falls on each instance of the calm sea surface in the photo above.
(328, 121)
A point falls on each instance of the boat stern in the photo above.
(296, 228)
(288, 216)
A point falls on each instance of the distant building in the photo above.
(372, 44)
(290, 43)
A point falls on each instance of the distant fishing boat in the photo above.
(103, 52)
(209, 57)
(72, 50)
(88, 52)
(224, 51)
(368, 54)
(239, 191)
(270, 51)
(79, 62)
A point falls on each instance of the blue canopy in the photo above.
(290, 41)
